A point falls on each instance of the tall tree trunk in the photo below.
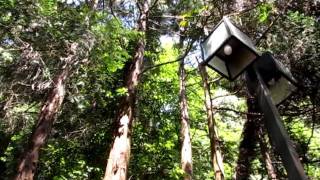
(266, 155)
(186, 152)
(249, 141)
(27, 166)
(5, 140)
(216, 158)
(29, 160)
(119, 155)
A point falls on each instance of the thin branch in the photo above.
(207, 15)
(236, 111)
(245, 10)
(272, 23)
(313, 161)
(215, 80)
(212, 81)
(153, 5)
(170, 17)
(298, 113)
(161, 64)
(139, 6)
(229, 94)
(112, 12)
(169, 62)
(193, 84)
(313, 123)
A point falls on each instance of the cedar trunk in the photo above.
(266, 155)
(119, 155)
(249, 141)
(216, 157)
(186, 153)
(5, 141)
(29, 161)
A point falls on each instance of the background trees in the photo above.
(36, 37)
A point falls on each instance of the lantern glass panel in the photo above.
(284, 70)
(280, 89)
(215, 40)
(277, 77)
(219, 65)
(239, 59)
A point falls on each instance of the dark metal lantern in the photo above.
(276, 76)
(227, 50)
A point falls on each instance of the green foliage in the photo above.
(48, 7)
(63, 161)
(113, 41)
(6, 57)
(264, 11)
(307, 143)
(155, 141)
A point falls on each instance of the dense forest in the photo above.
(97, 89)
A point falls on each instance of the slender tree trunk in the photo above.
(27, 166)
(216, 157)
(248, 143)
(29, 160)
(186, 152)
(119, 155)
(5, 140)
(266, 155)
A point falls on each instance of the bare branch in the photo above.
(139, 6)
(236, 111)
(112, 12)
(169, 62)
(229, 94)
(153, 5)
(245, 10)
(272, 23)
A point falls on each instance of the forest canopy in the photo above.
(97, 89)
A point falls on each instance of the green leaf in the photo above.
(183, 23)
(264, 12)
(121, 91)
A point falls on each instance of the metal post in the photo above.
(276, 131)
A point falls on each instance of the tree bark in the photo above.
(266, 155)
(5, 140)
(249, 141)
(119, 155)
(27, 166)
(216, 157)
(186, 149)
(29, 160)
